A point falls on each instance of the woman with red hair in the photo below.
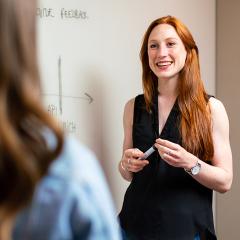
(170, 194)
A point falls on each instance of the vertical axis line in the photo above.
(60, 83)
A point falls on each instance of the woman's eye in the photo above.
(153, 45)
(171, 44)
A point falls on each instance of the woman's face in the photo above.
(166, 52)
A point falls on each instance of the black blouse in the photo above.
(163, 202)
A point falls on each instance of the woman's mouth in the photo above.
(164, 64)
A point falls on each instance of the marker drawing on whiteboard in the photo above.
(148, 153)
(60, 84)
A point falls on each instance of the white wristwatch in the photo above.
(195, 169)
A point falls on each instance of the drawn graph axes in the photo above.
(86, 97)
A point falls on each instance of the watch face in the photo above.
(195, 170)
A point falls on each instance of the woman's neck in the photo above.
(167, 88)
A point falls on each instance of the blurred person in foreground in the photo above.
(52, 188)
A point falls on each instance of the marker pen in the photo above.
(148, 153)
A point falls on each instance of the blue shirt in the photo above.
(71, 202)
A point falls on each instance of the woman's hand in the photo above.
(131, 162)
(175, 155)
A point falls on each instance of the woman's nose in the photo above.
(162, 51)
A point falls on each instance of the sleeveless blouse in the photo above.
(163, 202)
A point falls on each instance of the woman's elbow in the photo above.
(226, 186)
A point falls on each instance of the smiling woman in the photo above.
(170, 194)
(166, 52)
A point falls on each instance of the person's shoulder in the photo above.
(74, 148)
(218, 111)
(79, 157)
(216, 105)
(78, 168)
(90, 189)
(75, 163)
(131, 102)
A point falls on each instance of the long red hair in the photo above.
(195, 123)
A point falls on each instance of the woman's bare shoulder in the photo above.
(216, 106)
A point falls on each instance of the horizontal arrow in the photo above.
(88, 97)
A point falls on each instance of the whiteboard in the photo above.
(89, 64)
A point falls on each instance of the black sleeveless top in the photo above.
(163, 202)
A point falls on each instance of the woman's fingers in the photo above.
(167, 148)
(133, 153)
(167, 144)
(173, 153)
(131, 161)
(137, 165)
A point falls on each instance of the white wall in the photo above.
(98, 54)
(228, 86)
